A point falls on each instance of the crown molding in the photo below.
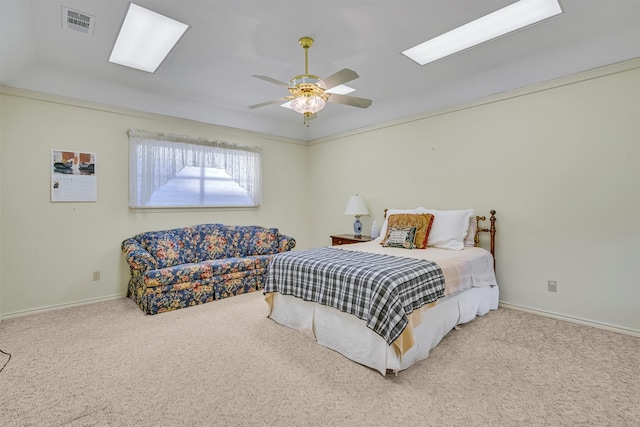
(595, 73)
(527, 90)
(74, 102)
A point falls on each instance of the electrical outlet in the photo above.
(96, 276)
(552, 286)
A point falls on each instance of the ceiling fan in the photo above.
(310, 93)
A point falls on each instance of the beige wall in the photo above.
(49, 250)
(560, 164)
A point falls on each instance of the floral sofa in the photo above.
(177, 268)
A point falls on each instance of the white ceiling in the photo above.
(207, 77)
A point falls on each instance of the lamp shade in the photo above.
(356, 206)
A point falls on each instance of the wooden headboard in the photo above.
(491, 230)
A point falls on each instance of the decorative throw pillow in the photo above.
(393, 211)
(263, 241)
(400, 237)
(422, 223)
(169, 247)
(211, 241)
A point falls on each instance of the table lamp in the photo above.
(356, 207)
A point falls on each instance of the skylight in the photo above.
(145, 39)
(503, 21)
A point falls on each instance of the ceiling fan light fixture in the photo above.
(309, 94)
(308, 105)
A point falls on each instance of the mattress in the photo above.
(470, 290)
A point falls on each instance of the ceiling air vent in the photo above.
(77, 21)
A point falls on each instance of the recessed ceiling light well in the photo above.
(145, 39)
(503, 21)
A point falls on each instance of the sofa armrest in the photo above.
(286, 243)
(137, 256)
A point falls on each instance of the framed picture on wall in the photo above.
(73, 176)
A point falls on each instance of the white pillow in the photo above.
(449, 228)
(470, 239)
(383, 230)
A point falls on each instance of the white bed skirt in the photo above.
(350, 336)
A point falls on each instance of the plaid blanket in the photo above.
(379, 289)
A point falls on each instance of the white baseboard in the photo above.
(571, 319)
(59, 306)
(578, 320)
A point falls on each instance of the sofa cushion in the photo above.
(211, 242)
(247, 240)
(263, 241)
(205, 271)
(169, 247)
(234, 265)
(238, 244)
(218, 241)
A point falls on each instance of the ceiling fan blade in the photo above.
(271, 80)
(349, 100)
(275, 101)
(342, 76)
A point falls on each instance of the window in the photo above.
(167, 170)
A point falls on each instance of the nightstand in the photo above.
(347, 239)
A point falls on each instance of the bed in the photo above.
(380, 304)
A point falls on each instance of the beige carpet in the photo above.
(225, 363)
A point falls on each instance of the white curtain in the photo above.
(156, 158)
